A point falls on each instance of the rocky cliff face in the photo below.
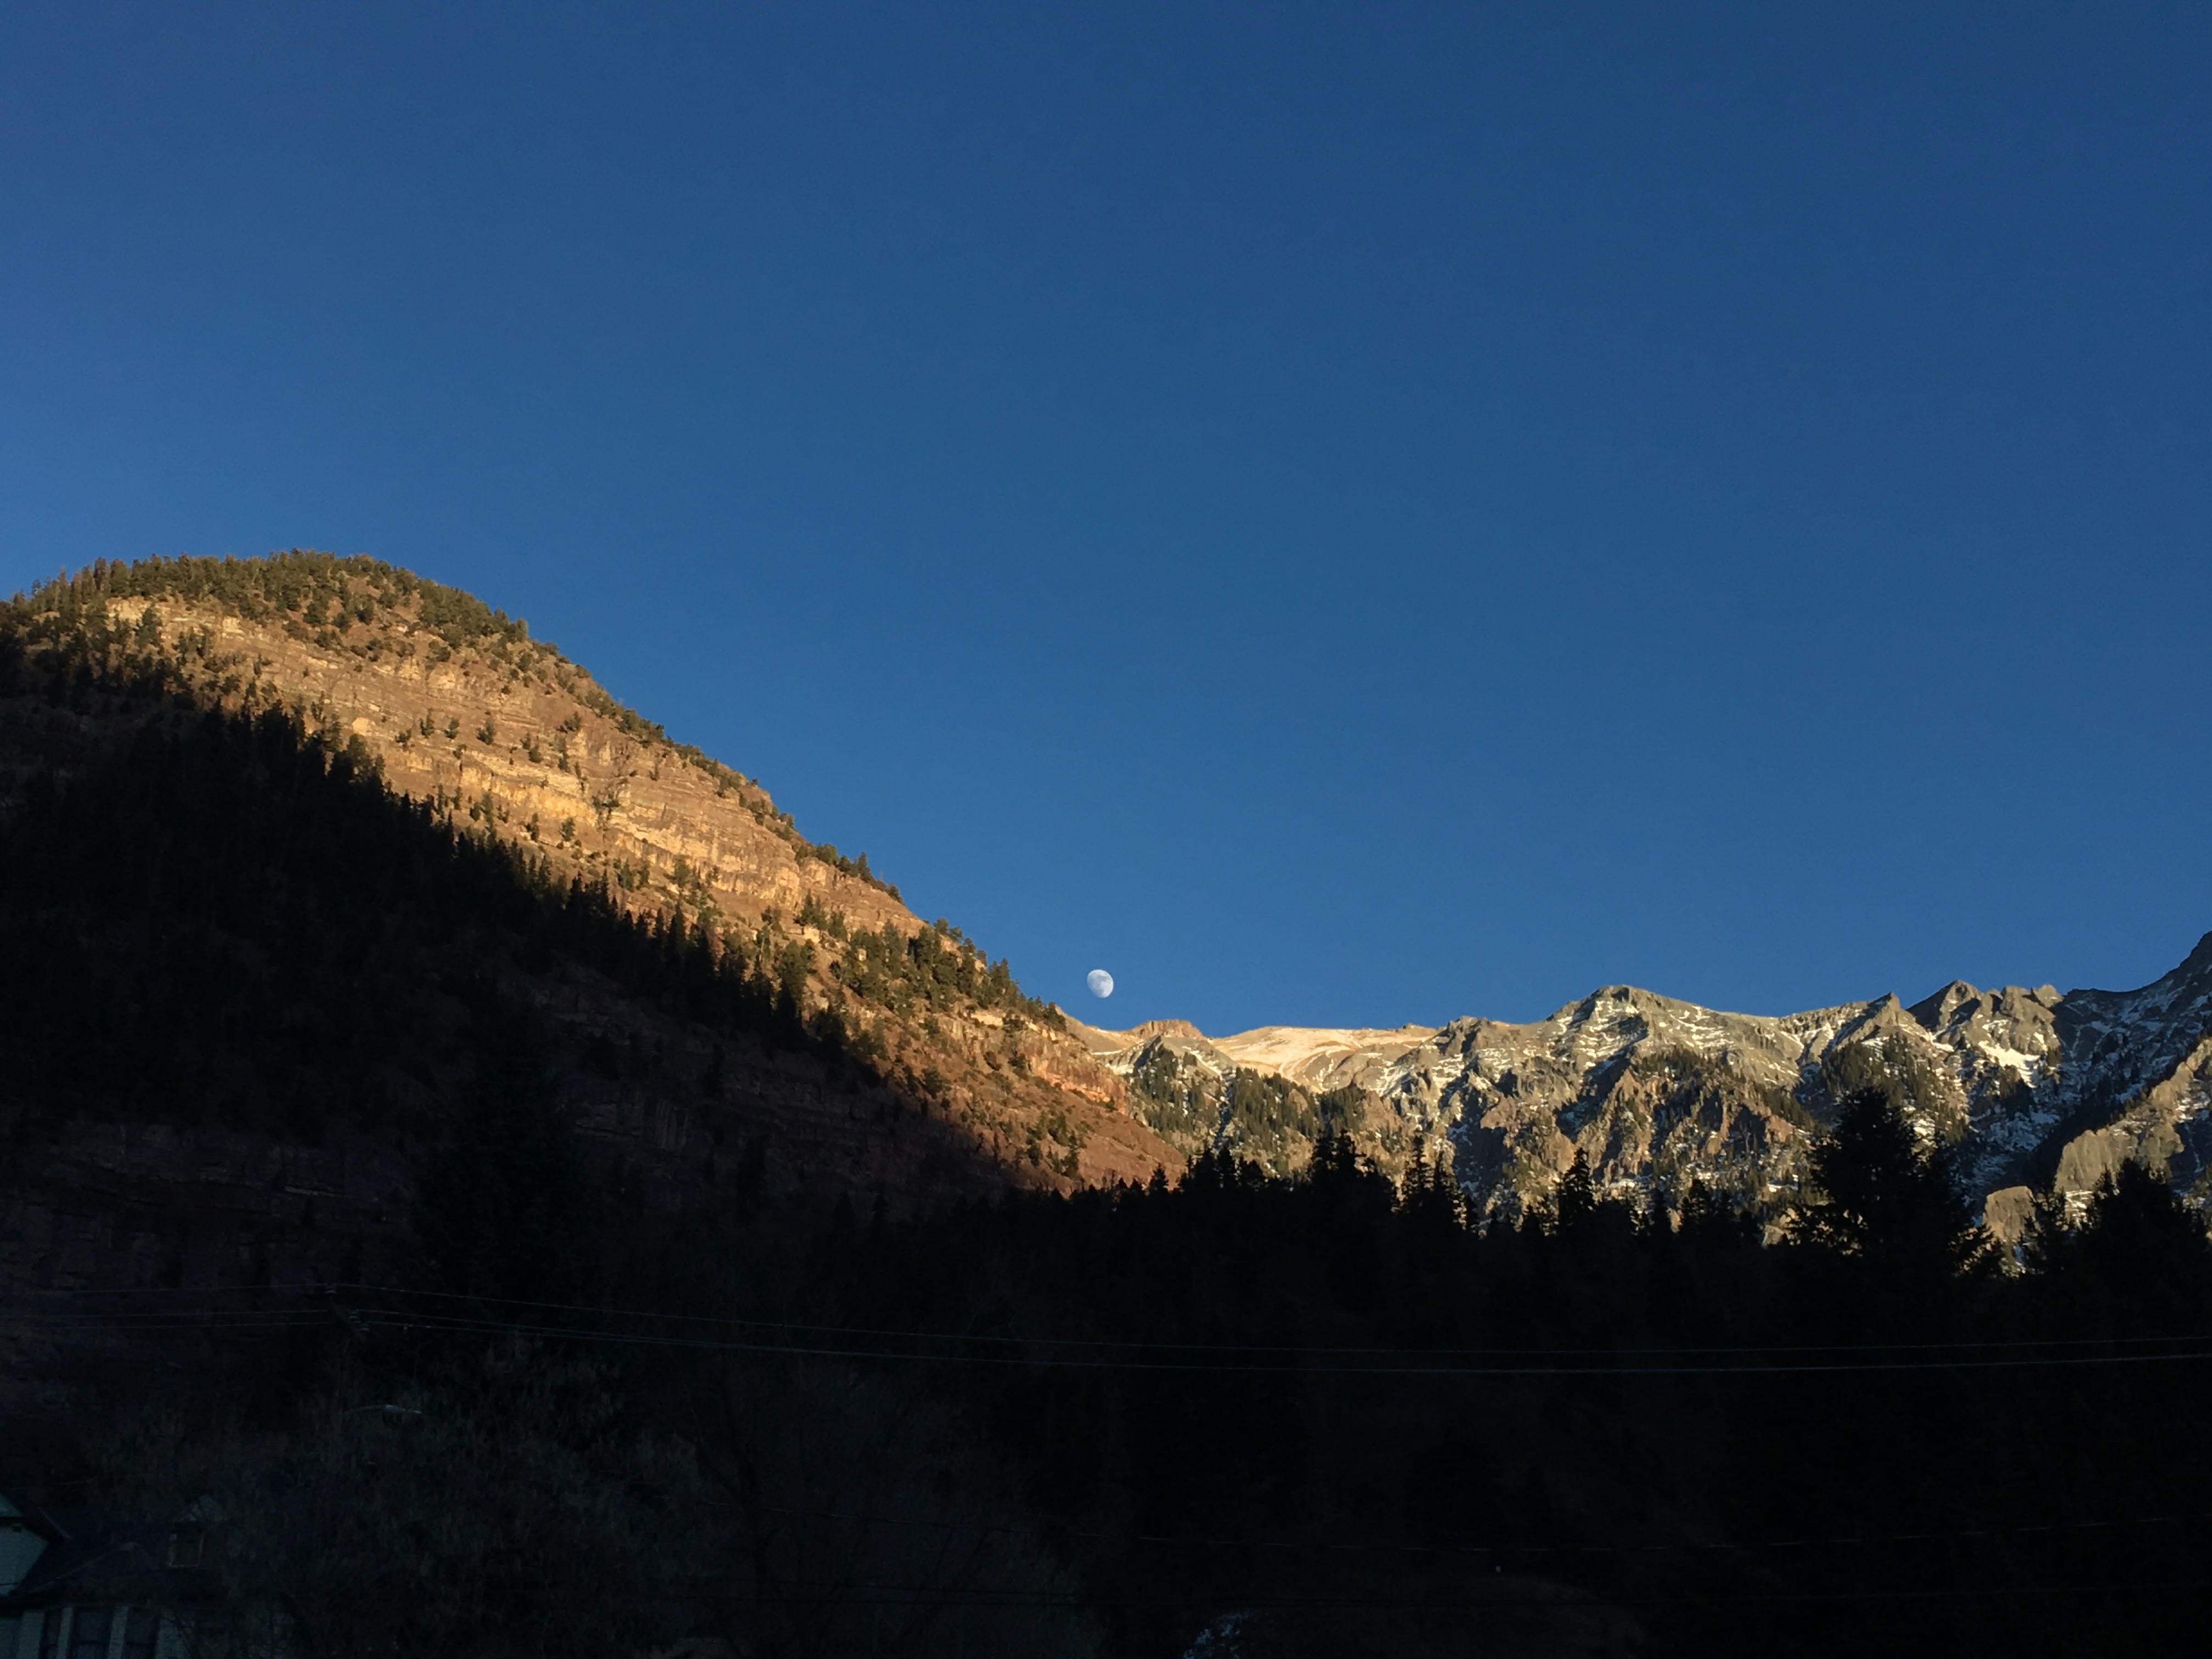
(2025, 1085)
(497, 730)
(954, 1081)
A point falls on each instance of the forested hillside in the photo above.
(274, 849)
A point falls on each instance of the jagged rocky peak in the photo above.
(1609, 1002)
(2023, 1084)
(2134, 1082)
(2012, 1011)
(1182, 1027)
(1318, 1058)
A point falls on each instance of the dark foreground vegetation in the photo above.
(1324, 1411)
(227, 920)
(1270, 1416)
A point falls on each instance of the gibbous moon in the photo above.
(1100, 982)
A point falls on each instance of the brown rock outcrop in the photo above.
(501, 737)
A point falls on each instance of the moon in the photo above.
(1100, 982)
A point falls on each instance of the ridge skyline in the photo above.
(829, 798)
(1446, 577)
(457, 707)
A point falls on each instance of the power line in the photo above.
(1147, 1344)
(1138, 1344)
(397, 1319)
(1289, 1365)
(1392, 1546)
(1565, 1597)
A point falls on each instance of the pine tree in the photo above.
(2139, 1228)
(1575, 1205)
(1710, 1219)
(1881, 1198)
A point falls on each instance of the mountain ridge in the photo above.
(2025, 1085)
(496, 735)
(757, 1008)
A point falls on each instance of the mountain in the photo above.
(290, 844)
(473, 1176)
(249, 1004)
(2026, 1086)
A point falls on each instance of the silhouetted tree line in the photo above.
(1338, 1399)
(1320, 1416)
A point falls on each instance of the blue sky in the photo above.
(1338, 515)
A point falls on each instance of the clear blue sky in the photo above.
(1337, 514)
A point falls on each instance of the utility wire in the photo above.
(1259, 1347)
(1138, 1344)
(1289, 1364)
(1388, 1546)
(805, 1592)
(397, 1319)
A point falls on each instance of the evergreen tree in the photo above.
(1430, 1202)
(2138, 1229)
(1881, 1198)
(1710, 1219)
(1575, 1205)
